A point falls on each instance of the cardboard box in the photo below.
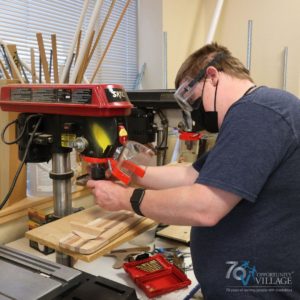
(36, 218)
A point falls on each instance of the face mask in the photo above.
(207, 120)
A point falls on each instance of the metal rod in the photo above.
(50, 65)
(249, 44)
(139, 79)
(165, 60)
(6, 60)
(285, 67)
(69, 69)
(21, 66)
(40, 70)
(2, 72)
(62, 200)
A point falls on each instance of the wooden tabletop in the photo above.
(50, 234)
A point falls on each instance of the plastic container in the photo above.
(145, 238)
(188, 151)
(38, 181)
(161, 280)
(173, 136)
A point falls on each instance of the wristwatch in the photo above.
(136, 200)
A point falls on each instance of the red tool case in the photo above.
(168, 278)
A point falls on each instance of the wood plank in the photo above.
(51, 233)
(55, 62)
(85, 231)
(112, 225)
(12, 49)
(178, 233)
(33, 72)
(5, 149)
(43, 57)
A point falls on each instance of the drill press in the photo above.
(55, 119)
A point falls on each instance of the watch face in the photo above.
(137, 196)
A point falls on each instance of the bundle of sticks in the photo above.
(13, 66)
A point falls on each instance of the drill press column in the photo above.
(62, 197)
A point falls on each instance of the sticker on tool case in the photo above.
(82, 96)
(67, 140)
(50, 95)
(44, 95)
(20, 94)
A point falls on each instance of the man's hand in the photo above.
(108, 174)
(111, 196)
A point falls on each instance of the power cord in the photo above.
(25, 153)
(22, 133)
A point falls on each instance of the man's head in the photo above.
(209, 82)
(200, 58)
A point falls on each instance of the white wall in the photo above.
(150, 43)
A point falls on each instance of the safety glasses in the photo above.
(185, 94)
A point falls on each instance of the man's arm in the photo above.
(166, 177)
(196, 205)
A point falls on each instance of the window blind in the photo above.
(22, 19)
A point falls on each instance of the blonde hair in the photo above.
(197, 61)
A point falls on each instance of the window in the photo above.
(22, 19)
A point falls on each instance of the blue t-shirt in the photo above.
(254, 251)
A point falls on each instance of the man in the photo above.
(242, 197)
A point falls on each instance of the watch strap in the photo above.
(136, 204)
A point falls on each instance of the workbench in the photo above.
(102, 266)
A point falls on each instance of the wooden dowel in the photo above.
(5, 73)
(81, 71)
(78, 45)
(86, 40)
(75, 38)
(55, 63)
(43, 57)
(99, 35)
(33, 74)
(101, 30)
(109, 42)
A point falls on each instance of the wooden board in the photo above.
(43, 57)
(55, 62)
(51, 233)
(33, 73)
(12, 49)
(112, 226)
(178, 233)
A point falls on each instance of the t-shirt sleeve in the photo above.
(253, 141)
(199, 163)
